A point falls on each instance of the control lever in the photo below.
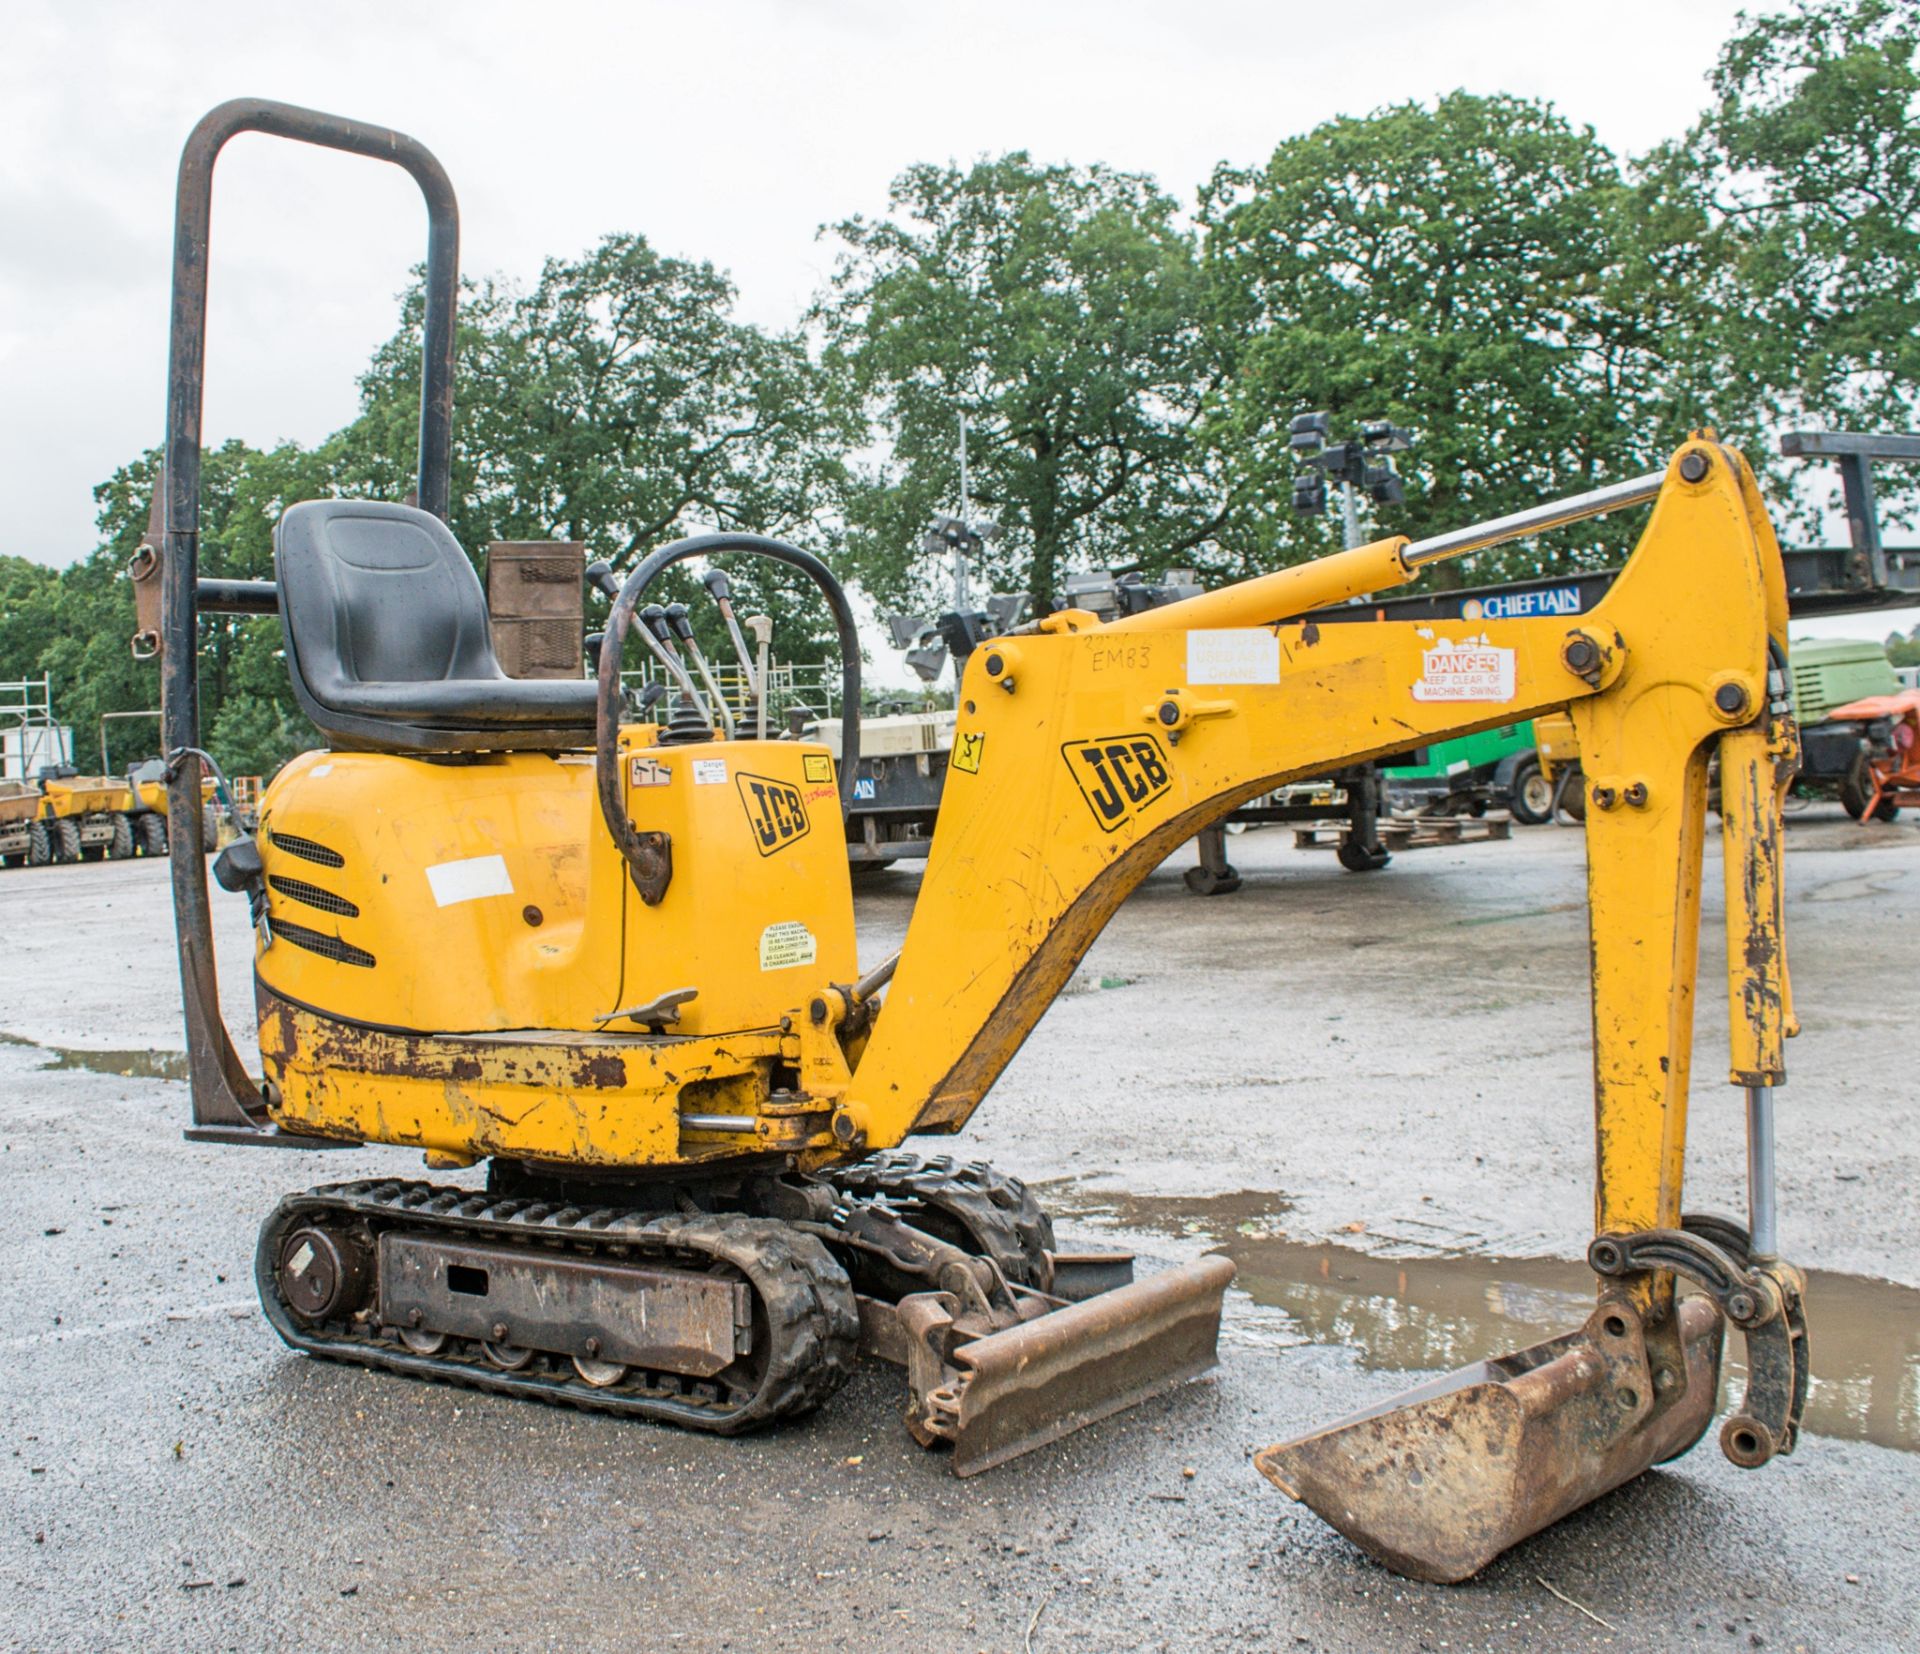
(658, 636)
(762, 628)
(600, 577)
(720, 589)
(682, 628)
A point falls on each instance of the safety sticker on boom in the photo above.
(1118, 775)
(1471, 670)
(775, 810)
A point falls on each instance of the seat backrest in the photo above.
(377, 593)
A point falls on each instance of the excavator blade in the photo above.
(1034, 1383)
(1439, 1480)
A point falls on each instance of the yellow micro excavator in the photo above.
(609, 951)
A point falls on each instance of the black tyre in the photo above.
(1530, 793)
(122, 845)
(209, 827)
(39, 844)
(1361, 858)
(151, 831)
(1203, 881)
(66, 840)
(1856, 792)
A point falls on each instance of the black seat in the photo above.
(388, 644)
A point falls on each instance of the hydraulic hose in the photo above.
(620, 620)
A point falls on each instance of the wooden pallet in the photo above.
(1411, 832)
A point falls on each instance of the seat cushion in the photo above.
(388, 643)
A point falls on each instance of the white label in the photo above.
(785, 944)
(650, 772)
(1471, 670)
(469, 880)
(1238, 654)
(709, 772)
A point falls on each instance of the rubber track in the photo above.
(999, 1212)
(804, 1295)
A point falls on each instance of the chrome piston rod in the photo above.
(1496, 531)
(1763, 1215)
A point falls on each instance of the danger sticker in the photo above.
(785, 945)
(1471, 670)
(650, 772)
(967, 751)
(1235, 654)
(817, 766)
(709, 772)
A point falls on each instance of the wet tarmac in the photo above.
(1405, 1100)
(1425, 1314)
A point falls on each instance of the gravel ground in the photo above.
(1402, 1052)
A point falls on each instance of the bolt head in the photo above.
(499, 1332)
(1731, 699)
(1169, 713)
(1740, 1305)
(817, 1010)
(1694, 465)
(995, 666)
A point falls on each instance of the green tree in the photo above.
(622, 404)
(1056, 307)
(1807, 170)
(1476, 271)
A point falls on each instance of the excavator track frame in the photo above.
(806, 1306)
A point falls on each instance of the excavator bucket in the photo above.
(1439, 1480)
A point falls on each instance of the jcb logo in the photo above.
(776, 810)
(1118, 775)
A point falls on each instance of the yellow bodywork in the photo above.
(1093, 751)
(449, 944)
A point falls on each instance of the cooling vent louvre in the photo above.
(328, 947)
(298, 890)
(307, 850)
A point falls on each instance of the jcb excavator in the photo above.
(613, 957)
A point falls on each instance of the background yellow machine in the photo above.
(613, 956)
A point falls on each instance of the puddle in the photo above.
(1428, 1314)
(126, 1065)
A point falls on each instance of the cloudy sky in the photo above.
(729, 130)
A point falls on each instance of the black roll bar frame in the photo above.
(227, 1101)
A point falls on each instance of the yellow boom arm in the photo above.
(1086, 753)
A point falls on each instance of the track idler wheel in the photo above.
(323, 1273)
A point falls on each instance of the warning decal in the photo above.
(817, 766)
(786, 944)
(650, 772)
(966, 752)
(1235, 654)
(1470, 670)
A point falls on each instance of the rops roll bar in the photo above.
(226, 1100)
